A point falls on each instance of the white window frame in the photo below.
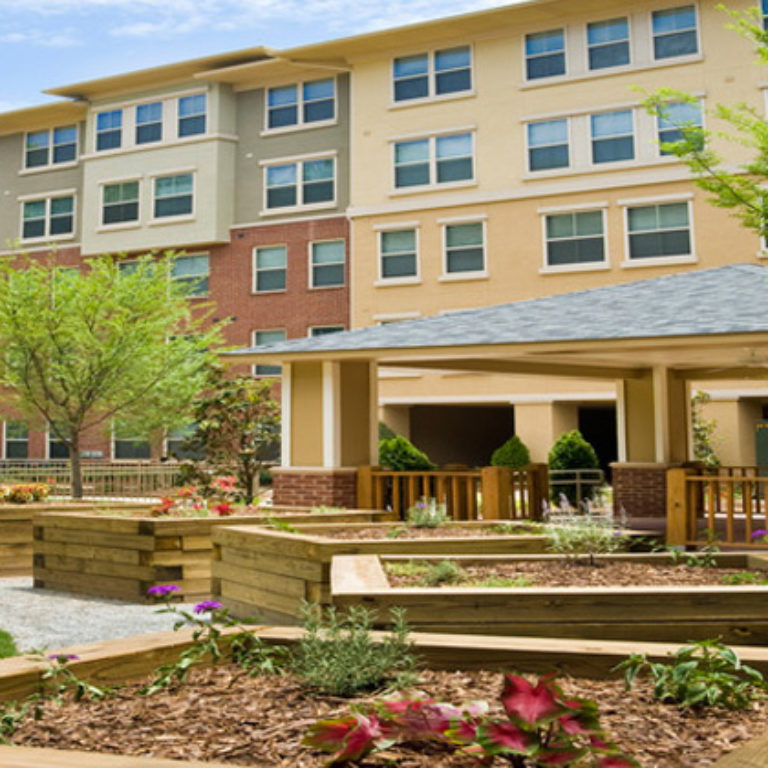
(566, 57)
(298, 161)
(690, 258)
(159, 221)
(432, 78)
(657, 129)
(4, 442)
(50, 164)
(48, 435)
(177, 118)
(113, 440)
(120, 224)
(528, 147)
(310, 265)
(254, 343)
(431, 139)
(255, 269)
(591, 139)
(590, 266)
(137, 125)
(47, 197)
(121, 147)
(652, 37)
(588, 47)
(447, 276)
(182, 278)
(301, 125)
(398, 227)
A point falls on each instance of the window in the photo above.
(548, 145)
(608, 43)
(765, 13)
(51, 147)
(51, 217)
(575, 238)
(545, 54)
(674, 32)
(302, 183)
(398, 253)
(149, 122)
(269, 268)
(464, 248)
(173, 195)
(327, 268)
(56, 448)
(426, 75)
(192, 115)
(192, 272)
(127, 445)
(436, 160)
(176, 439)
(324, 330)
(302, 103)
(16, 440)
(120, 203)
(613, 136)
(674, 117)
(109, 130)
(267, 337)
(657, 231)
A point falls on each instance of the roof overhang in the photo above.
(42, 116)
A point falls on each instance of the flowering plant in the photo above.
(427, 513)
(760, 536)
(541, 728)
(191, 501)
(23, 493)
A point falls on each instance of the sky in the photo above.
(48, 43)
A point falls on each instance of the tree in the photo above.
(238, 427)
(84, 348)
(512, 453)
(703, 431)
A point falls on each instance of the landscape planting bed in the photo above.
(737, 614)
(268, 573)
(121, 556)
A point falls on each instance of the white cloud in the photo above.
(37, 37)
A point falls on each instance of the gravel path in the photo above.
(42, 618)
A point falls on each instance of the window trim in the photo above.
(153, 220)
(405, 279)
(113, 440)
(630, 45)
(655, 261)
(605, 263)
(527, 137)
(101, 152)
(550, 78)
(4, 439)
(591, 139)
(657, 130)
(431, 139)
(121, 224)
(190, 255)
(47, 197)
(310, 265)
(445, 275)
(254, 269)
(177, 118)
(50, 165)
(652, 38)
(431, 78)
(135, 113)
(254, 343)
(301, 125)
(299, 160)
(48, 435)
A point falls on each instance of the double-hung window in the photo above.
(613, 136)
(659, 231)
(109, 130)
(173, 195)
(16, 440)
(674, 32)
(149, 122)
(51, 147)
(120, 203)
(545, 54)
(327, 263)
(548, 145)
(192, 113)
(303, 103)
(398, 254)
(673, 118)
(305, 182)
(426, 75)
(127, 445)
(270, 265)
(192, 272)
(608, 43)
(575, 238)
(267, 337)
(464, 248)
(57, 449)
(49, 217)
(434, 160)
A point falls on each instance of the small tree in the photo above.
(513, 453)
(84, 348)
(571, 451)
(703, 431)
(401, 455)
(238, 427)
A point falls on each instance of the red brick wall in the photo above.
(309, 488)
(640, 489)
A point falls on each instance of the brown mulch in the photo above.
(441, 532)
(223, 715)
(579, 574)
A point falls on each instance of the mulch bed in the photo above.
(223, 715)
(441, 532)
(615, 574)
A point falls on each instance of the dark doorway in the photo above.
(598, 425)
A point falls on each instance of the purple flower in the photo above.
(63, 657)
(163, 590)
(759, 533)
(207, 605)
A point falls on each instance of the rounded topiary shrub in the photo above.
(513, 453)
(572, 451)
(401, 455)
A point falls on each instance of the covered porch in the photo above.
(652, 338)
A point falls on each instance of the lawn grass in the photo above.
(7, 646)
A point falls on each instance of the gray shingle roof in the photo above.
(729, 299)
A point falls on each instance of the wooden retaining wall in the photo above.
(121, 557)
(739, 614)
(268, 573)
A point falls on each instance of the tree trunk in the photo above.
(76, 469)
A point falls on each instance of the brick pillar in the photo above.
(312, 487)
(641, 488)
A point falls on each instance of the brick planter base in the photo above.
(310, 487)
(640, 488)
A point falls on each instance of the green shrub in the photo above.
(444, 572)
(426, 513)
(7, 645)
(401, 455)
(572, 451)
(386, 432)
(512, 453)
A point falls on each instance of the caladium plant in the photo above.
(542, 728)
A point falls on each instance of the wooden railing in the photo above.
(722, 504)
(490, 493)
(582, 481)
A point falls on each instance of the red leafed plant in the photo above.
(542, 728)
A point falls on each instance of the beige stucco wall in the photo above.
(306, 415)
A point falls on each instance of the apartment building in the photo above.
(462, 162)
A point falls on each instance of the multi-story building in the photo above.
(462, 162)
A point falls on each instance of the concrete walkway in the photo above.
(43, 619)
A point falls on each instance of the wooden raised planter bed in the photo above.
(268, 573)
(677, 614)
(16, 530)
(122, 556)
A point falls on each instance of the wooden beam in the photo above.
(702, 374)
(34, 757)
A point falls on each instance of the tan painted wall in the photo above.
(307, 415)
(734, 439)
(355, 413)
(640, 433)
(538, 425)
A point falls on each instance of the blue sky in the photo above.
(46, 43)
